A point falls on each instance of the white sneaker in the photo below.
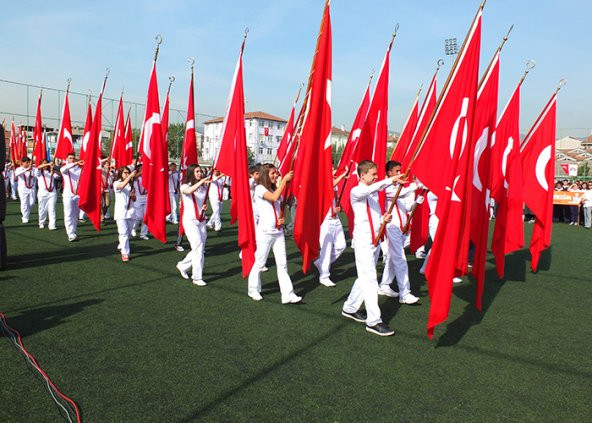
(41, 226)
(52, 228)
(420, 255)
(27, 220)
(256, 296)
(456, 280)
(327, 282)
(198, 282)
(144, 237)
(264, 269)
(134, 233)
(387, 291)
(107, 215)
(409, 299)
(183, 273)
(292, 299)
(73, 238)
(119, 247)
(179, 248)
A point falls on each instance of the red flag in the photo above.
(445, 169)
(129, 144)
(315, 192)
(506, 184)
(14, 145)
(419, 226)
(189, 153)
(407, 132)
(155, 166)
(483, 127)
(118, 144)
(284, 143)
(232, 161)
(538, 154)
(165, 124)
(87, 129)
(39, 150)
(89, 187)
(22, 141)
(65, 144)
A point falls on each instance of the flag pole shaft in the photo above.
(295, 101)
(344, 182)
(425, 131)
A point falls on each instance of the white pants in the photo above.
(27, 197)
(71, 212)
(81, 213)
(215, 221)
(265, 242)
(173, 216)
(47, 208)
(365, 288)
(396, 266)
(124, 230)
(332, 240)
(140, 211)
(194, 260)
(13, 190)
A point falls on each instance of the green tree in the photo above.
(336, 153)
(584, 169)
(250, 156)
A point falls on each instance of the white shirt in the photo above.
(46, 181)
(216, 192)
(267, 217)
(364, 197)
(26, 179)
(252, 185)
(192, 211)
(587, 197)
(140, 190)
(123, 206)
(404, 203)
(173, 182)
(71, 174)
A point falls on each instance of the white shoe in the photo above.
(198, 282)
(119, 247)
(422, 271)
(179, 248)
(409, 299)
(456, 280)
(27, 220)
(292, 299)
(41, 226)
(264, 269)
(144, 237)
(420, 255)
(52, 228)
(327, 282)
(256, 296)
(387, 291)
(183, 273)
(174, 222)
(134, 233)
(73, 238)
(107, 215)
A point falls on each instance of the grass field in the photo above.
(136, 343)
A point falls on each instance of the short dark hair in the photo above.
(364, 166)
(26, 159)
(392, 164)
(254, 168)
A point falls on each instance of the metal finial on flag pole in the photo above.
(561, 84)
(244, 39)
(191, 61)
(158, 39)
(299, 90)
(68, 82)
(394, 35)
(530, 64)
(171, 80)
(439, 64)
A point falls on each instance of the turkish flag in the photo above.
(87, 129)
(407, 132)
(129, 145)
(39, 150)
(165, 125)
(189, 153)
(315, 188)
(443, 166)
(506, 184)
(65, 144)
(232, 161)
(565, 168)
(155, 176)
(284, 143)
(483, 127)
(89, 187)
(538, 157)
(266, 131)
(118, 150)
(419, 226)
(14, 145)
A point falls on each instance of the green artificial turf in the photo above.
(133, 342)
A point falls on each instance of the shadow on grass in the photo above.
(39, 319)
(77, 253)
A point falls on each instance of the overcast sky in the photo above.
(45, 42)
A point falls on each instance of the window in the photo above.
(278, 138)
(261, 138)
(250, 122)
(260, 150)
(278, 125)
(269, 151)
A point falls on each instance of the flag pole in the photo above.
(427, 128)
(295, 101)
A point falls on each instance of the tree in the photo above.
(250, 156)
(336, 153)
(584, 169)
(175, 139)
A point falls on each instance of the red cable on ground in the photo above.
(36, 365)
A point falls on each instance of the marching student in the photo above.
(193, 196)
(26, 187)
(123, 213)
(71, 174)
(216, 197)
(396, 266)
(9, 181)
(331, 239)
(174, 180)
(47, 194)
(270, 234)
(106, 187)
(367, 220)
(139, 207)
(13, 181)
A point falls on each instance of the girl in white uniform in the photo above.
(47, 194)
(270, 234)
(193, 195)
(216, 196)
(26, 187)
(124, 214)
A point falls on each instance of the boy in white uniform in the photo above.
(71, 175)
(47, 194)
(396, 265)
(173, 193)
(140, 207)
(26, 187)
(367, 220)
(216, 197)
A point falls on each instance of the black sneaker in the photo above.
(380, 329)
(358, 316)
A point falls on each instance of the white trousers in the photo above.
(27, 197)
(266, 242)
(215, 220)
(140, 211)
(71, 212)
(194, 260)
(332, 240)
(124, 230)
(396, 266)
(47, 208)
(173, 216)
(365, 288)
(13, 190)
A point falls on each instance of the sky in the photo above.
(47, 42)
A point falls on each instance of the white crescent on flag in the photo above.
(328, 98)
(85, 140)
(68, 135)
(190, 125)
(479, 149)
(453, 136)
(507, 151)
(147, 133)
(541, 165)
